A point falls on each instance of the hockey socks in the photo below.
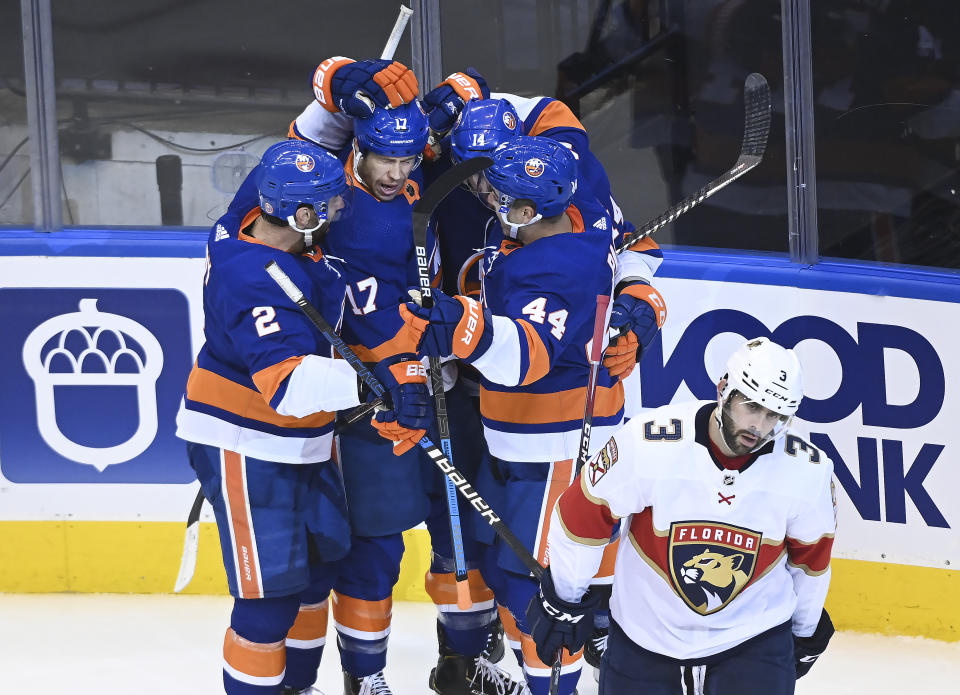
(460, 631)
(304, 643)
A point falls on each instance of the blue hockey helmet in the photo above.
(532, 168)
(401, 131)
(297, 172)
(481, 127)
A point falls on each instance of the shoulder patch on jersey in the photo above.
(603, 461)
(221, 234)
(711, 563)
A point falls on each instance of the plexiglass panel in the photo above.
(659, 87)
(887, 110)
(165, 105)
(16, 200)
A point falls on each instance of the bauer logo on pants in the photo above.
(92, 382)
(710, 563)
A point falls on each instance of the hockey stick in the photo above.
(191, 540)
(391, 46)
(756, 128)
(462, 484)
(596, 352)
(422, 212)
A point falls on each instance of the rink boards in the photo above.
(95, 349)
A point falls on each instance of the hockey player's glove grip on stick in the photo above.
(445, 101)
(409, 414)
(555, 623)
(356, 87)
(456, 325)
(806, 650)
(638, 314)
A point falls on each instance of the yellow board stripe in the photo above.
(143, 557)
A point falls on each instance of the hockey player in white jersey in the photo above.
(728, 522)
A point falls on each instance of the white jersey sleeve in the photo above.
(331, 131)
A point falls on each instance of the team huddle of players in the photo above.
(708, 595)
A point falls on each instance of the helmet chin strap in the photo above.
(357, 156)
(307, 233)
(512, 228)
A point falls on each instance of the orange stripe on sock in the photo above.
(311, 622)
(531, 659)
(252, 658)
(562, 476)
(248, 576)
(442, 587)
(510, 628)
(365, 616)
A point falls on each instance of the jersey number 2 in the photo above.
(265, 316)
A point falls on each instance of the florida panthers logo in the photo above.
(305, 162)
(534, 167)
(711, 563)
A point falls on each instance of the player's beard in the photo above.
(731, 435)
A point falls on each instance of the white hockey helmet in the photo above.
(767, 374)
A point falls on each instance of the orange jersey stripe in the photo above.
(442, 587)
(537, 352)
(555, 115)
(609, 560)
(645, 244)
(544, 408)
(252, 658)
(561, 472)
(268, 380)
(311, 622)
(207, 387)
(812, 558)
(360, 615)
(234, 481)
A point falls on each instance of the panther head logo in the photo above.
(718, 576)
(711, 563)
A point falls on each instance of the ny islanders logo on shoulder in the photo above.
(711, 563)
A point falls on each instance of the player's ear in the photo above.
(302, 216)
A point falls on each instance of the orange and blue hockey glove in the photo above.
(445, 101)
(408, 412)
(456, 325)
(638, 314)
(357, 87)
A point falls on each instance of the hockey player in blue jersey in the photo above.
(527, 340)
(258, 417)
(463, 223)
(377, 244)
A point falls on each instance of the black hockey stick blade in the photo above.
(756, 128)
(429, 201)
